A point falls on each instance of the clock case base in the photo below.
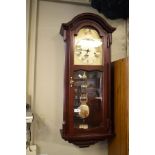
(85, 140)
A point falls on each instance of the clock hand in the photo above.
(87, 55)
(87, 50)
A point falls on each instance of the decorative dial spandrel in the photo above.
(88, 48)
(88, 99)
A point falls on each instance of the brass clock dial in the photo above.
(88, 48)
(87, 55)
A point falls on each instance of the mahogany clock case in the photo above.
(99, 123)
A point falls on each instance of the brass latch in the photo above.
(71, 81)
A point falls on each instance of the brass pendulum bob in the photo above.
(84, 109)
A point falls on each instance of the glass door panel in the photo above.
(87, 99)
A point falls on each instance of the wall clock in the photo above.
(87, 113)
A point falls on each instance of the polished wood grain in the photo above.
(119, 144)
(88, 68)
(69, 30)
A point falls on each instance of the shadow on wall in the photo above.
(52, 135)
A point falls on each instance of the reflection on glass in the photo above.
(87, 99)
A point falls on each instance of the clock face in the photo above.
(88, 48)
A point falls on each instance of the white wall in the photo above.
(49, 68)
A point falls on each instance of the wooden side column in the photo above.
(119, 145)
